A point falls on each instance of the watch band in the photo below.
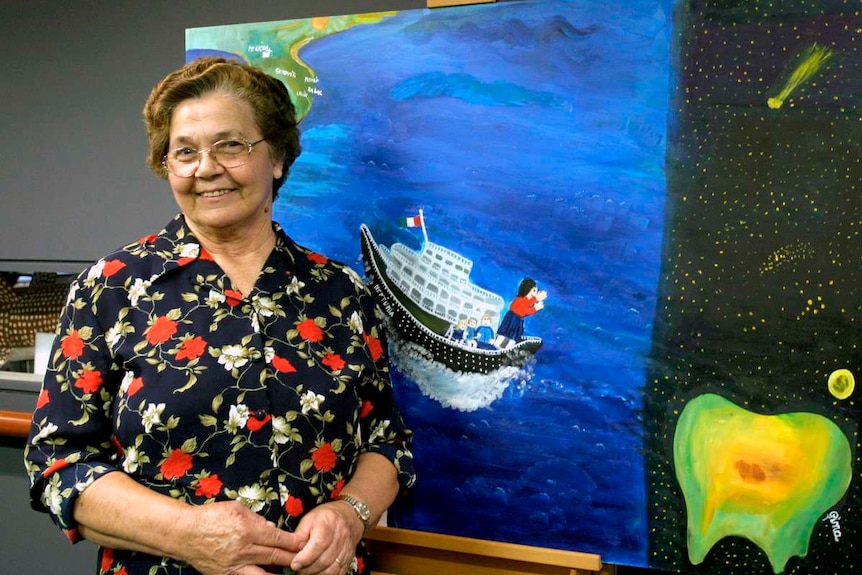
(361, 509)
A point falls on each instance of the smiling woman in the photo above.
(216, 343)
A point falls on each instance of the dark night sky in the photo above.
(759, 299)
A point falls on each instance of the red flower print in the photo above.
(205, 255)
(318, 259)
(375, 348)
(339, 485)
(147, 239)
(283, 365)
(293, 506)
(90, 381)
(333, 361)
(360, 562)
(107, 560)
(192, 348)
(43, 399)
(71, 534)
(72, 345)
(176, 464)
(309, 330)
(111, 267)
(185, 261)
(54, 467)
(367, 406)
(233, 297)
(122, 571)
(255, 424)
(118, 447)
(209, 486)
(324, 457)
(136, 385)
(161, 330)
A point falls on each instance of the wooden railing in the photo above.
(14, 423)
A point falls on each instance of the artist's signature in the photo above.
(835, 520)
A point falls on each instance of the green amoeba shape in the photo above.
(767, 478)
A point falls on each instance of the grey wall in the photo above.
(73, 183)
(73, 80)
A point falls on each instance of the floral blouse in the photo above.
(161, 369)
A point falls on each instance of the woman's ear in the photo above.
(277, 169)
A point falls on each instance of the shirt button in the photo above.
(259, 414)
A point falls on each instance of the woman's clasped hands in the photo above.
(229, 539)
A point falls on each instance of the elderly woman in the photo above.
(218, 397)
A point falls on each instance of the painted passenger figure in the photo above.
(485, 333)
(470, 333)
(528, 301)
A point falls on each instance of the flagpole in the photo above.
(422, 223)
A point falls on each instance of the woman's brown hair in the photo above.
(268, 97)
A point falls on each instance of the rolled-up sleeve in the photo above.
(383, 428)
(70, 445)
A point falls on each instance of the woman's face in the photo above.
(222, 202)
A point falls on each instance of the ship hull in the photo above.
(406, 320)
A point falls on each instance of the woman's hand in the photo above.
(332, 532)
(229, 539)
(223, 538)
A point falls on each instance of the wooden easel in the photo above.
(406, 552)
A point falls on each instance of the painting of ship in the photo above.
(426, 294)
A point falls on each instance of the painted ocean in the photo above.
(532, 135)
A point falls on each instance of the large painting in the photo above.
(614, 242)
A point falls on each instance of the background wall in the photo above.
(75, 77)
(73, 181)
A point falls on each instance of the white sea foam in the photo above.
(457, 390)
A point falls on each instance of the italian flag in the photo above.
(413, 222)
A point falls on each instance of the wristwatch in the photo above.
(359, 507)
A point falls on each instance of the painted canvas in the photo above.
(751, 420)
(615, 242)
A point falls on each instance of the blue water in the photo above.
(532, 134)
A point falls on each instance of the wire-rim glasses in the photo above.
(183, 162)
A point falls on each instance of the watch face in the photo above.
(360, 508)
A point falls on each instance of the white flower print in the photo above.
(112, 336)
(311, 401)
(252, 496)
(133, 459)
(127, 381)
(264, 305)
(237, 418)
(152, 416)
(355, 322)
(215, 298)
(354, 277)
(283, 493)
(138, 290)
(294, 287)
(190, 251)
(233, 356)
(49, 429)
(52, 498)
(95, 271)
(379, 431)
(73, 291)
(281, 430)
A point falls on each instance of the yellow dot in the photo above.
(841, 383)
